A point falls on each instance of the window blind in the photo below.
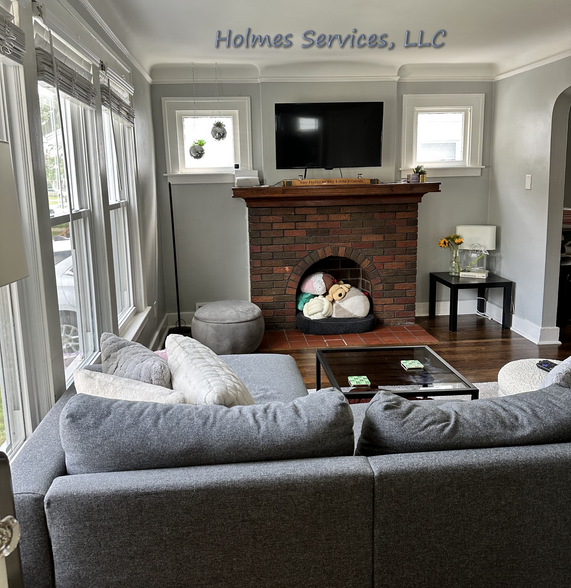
(116, 101)
(12, 38)
(70, 82)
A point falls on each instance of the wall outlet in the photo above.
(155, 309)
(528, 182)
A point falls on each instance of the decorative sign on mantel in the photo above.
(325, 182)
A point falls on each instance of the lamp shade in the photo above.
(484, 235)
(13, 265)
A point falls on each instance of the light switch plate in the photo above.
(528, 182)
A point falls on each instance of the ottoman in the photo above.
(229, 326)
(521, 375)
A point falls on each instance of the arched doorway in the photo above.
(558, 269)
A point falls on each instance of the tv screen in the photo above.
(329, 134)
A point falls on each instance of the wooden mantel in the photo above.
(335, 194)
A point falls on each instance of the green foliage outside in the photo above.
(2, 426)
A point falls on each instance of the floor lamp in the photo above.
(180, 328)
(13, 267)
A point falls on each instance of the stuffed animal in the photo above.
(302, 299)
(354, 305)
(338, 292)
(318, 308)
(318, 283)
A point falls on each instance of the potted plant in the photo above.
(219, 130)
(418, 174)
(197, 149)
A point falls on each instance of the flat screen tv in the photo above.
(329, 135)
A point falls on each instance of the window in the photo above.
(189, 120)
(217, 154)
(444, 133)
(12, 383)
(120, 161)
(72, 173)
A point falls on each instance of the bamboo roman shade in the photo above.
(74, 73)
(12, 38)
(117, 101)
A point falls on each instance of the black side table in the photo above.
(456, 283)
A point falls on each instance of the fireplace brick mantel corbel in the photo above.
(291, 228)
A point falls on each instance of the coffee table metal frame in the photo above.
(321, 362)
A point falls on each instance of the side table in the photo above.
(456, 283)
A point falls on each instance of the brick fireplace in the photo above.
(365, 235)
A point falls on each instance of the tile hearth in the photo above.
(394, 335)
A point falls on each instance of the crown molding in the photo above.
(114, 38)
(532, 66)
(446, 72)
(340, 78)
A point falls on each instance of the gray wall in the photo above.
(462, 200)
(211, 227)
(148, 221)
(530, 220)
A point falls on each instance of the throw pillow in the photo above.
(109, 386)
(128, 359)
(393, 424)
(141, 435)
(202, 376)
(560, 375)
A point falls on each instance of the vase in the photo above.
(422, 178)
(414, 178)
(454, 263)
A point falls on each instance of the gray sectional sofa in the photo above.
(487, 517)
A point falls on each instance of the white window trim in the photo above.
(173, 111)
(473, 107)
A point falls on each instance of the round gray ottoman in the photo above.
(521, 375)
(229, 326)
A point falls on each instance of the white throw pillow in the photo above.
(110, 386)
(202, 376)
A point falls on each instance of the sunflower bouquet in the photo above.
(452, 242)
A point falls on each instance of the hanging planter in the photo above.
(219, 131)
(197, 149)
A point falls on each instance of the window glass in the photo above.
(71, 233)
(440, 136)
(12, 427)
(121, 178)
(216, 153)
(53, 153)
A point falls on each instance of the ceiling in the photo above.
(507, 34)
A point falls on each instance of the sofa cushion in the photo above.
(269, 377)
(108, 386)
(128, 359)
(393, 424)
(560, 375)
(103, 435)
(202, 376)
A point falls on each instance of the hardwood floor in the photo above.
(477, 350)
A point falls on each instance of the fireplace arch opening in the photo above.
(348, 271)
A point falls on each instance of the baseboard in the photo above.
(531, 331)
(443, 307)
(159, 336)
(185, 317)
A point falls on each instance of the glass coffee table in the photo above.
(382, 367)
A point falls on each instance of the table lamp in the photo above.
(478, 240)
